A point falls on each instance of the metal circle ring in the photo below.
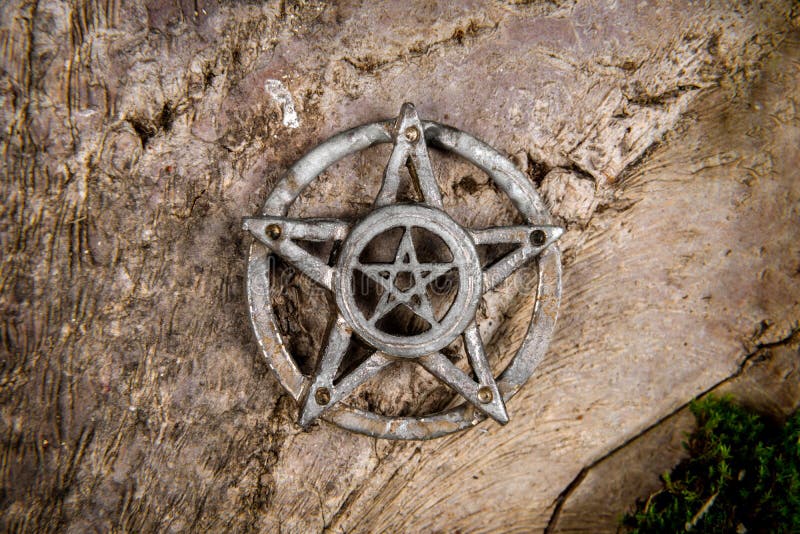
(548, 291)
(465, 260)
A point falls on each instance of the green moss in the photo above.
(743, 475)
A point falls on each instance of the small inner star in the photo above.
(405, 281)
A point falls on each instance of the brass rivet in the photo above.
(538, 238)
(412, 134)
(322, 396)
(273, 231)
(485, 394)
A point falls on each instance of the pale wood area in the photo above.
(137, 134)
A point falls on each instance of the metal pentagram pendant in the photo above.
(403, 277)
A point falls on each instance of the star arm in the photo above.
(370, 367)
(532, 240)
(323, 393)
(439, 366)
(386, 303)
(391, 175)
(423, 308)
(409, 148)
(406, 254)
(278, 234)
(429, 272)
(376, 272)
(335, 348)
(480, 365)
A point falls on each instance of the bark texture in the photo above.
(135, 135)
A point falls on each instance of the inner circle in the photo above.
(406, 280)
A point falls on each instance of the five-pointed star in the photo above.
(278, 234)
(410, 291)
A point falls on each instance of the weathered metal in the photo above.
(405, 280)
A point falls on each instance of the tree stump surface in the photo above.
(136, 135)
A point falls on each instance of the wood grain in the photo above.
(135, 135)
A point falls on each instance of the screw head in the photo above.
(273, 231)
(322, 396)
(485, 394)
(538, 238)
(412, 134)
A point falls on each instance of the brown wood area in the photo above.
(665, 137)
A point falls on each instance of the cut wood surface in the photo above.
(665, 137)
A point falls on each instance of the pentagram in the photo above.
(404, 281)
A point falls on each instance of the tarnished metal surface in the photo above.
(465, 261)
(404, 280)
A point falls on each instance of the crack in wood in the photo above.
(567, 492)
(472, 30)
